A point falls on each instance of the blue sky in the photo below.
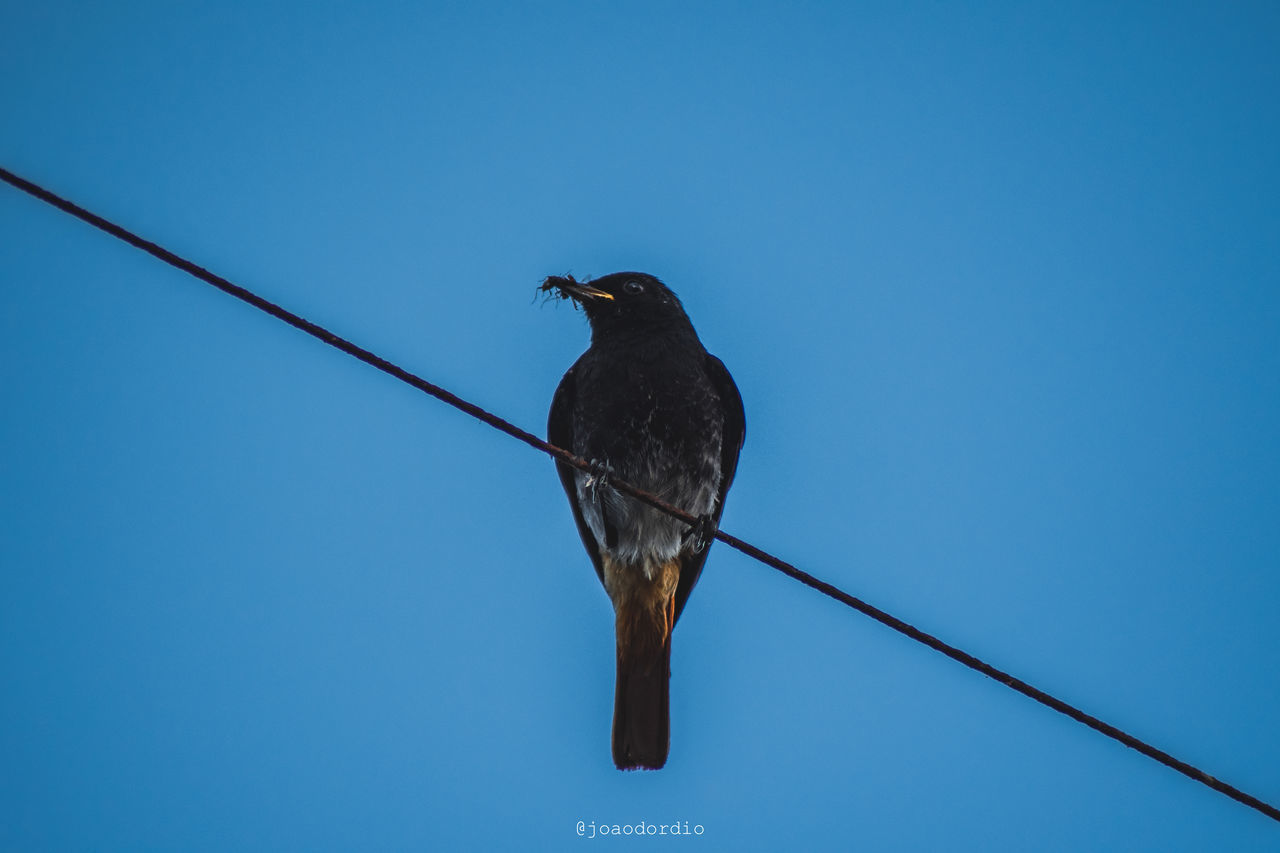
(999, 285)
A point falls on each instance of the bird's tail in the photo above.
(645, 614)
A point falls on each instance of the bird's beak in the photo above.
(582, 291)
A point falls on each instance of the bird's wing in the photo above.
(560, 433)
(735, 425)
(732, 433)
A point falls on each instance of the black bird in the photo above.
(656, 410)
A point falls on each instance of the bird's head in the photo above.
(632, 301)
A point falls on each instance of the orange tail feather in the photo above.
(645, 614)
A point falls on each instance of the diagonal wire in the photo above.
(568, 458)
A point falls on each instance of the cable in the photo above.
(565, 456)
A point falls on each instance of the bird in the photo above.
(646, 404)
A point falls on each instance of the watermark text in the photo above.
(593, 829)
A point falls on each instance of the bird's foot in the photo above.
(600, 477)
(701, 533)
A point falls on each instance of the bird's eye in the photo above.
(633, 287)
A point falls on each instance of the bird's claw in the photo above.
(599, 478)
(701, 533)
